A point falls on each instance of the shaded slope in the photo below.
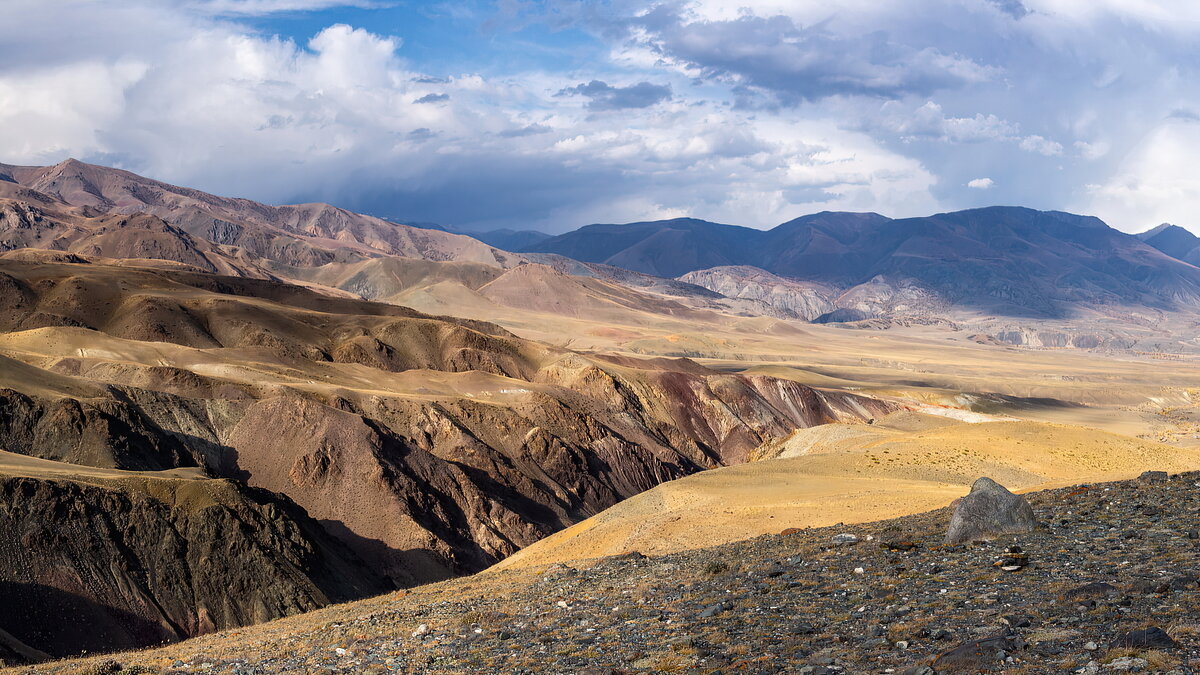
(666, 248)
(114, 559)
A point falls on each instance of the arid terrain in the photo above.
(1105, 584)
(217, 413)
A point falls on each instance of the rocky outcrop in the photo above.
(792, 299)
(128, 560)
(100, 432)
(987, 512)
(1063, 339)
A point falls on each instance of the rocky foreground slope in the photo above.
(1109, 582)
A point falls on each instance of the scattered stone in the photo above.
(775, 570)
(1151, 637)
(1017, 620)
(713, 610)
(1096, 589)
(558, 570)
(1128, 664)
(974, 656)
(845, 539)
(1091, 646)
(989, 511)
(1012, 560)
(423, 629)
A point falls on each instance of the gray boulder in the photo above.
(989, 511)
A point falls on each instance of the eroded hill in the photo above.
(425, 446)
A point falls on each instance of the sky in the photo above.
(552, 114)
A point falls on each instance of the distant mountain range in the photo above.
(1004, 260)
(830, 266)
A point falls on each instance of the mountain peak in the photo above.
(1173, 240)
(1164, 228)
(70, 164)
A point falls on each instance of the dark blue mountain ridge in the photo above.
(1003, 259)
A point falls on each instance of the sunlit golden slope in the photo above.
(905, 463)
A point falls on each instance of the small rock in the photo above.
(902, 644)
(989, 511)
(873, 643)
(423, 629)
(1091, 646)
(712, 610)
(775, 570)
(559, 570)
(682, 644)
(973, 656)
(859, 570)
(1013, 560)
(1096, 589)
(1127, 664)
(1017, 620)
(1151, 637)
(845, 539)
(1153, 476)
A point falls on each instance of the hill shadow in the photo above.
(64, 624)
